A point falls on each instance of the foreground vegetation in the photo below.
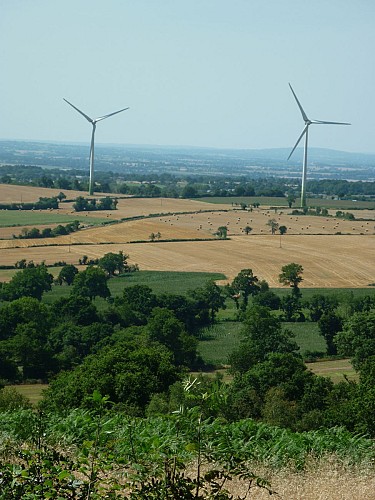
(121, 416)
(109, 455)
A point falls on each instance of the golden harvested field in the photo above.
(15, 194)
(329, 259)
(134, 207)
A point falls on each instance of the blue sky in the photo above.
(193, 72)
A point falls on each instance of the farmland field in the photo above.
(336, 369)
(334, 252)
(159, 282)
(221, 339)
(282, 201)
(35, 218)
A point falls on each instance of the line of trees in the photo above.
(185, 186)
(48, 232)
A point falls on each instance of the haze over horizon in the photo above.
(201, 74)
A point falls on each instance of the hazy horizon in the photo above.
(86, 144)
(210, 74)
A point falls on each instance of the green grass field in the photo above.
(32, 391)
(173, 282)
(219, 341)
(10, 218)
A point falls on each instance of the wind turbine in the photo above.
(93, 123)
(305, 133)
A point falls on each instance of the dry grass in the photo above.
(16, 194)
(32, 391)
(328, 481)
(321, 480)
(334, 369)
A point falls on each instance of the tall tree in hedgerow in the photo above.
(291, 275)
(245, 283)
(30, 282)
(91, 283)
(262, 334)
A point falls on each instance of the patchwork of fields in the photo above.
(334, 252)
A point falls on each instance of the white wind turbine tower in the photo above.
(93, 123)
(305, 132)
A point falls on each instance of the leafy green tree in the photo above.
(284, 371)
(268, 299)
(363, 303)
(129, 372)
(283, 230)
(222, 232)
(291, 275)
(247, 229)
(278, 409)
(59, 230)
(189, 191)
(262, 334)
(26, 310)
(21, 264)
(357, 338)
(46, 233)
(30, 282)
(245, 283)
(320, 304)
(74, 309)
(8, 367)
(329, 325)
(91, 283)
(67, 274)
(292, 307)
(71, 343)
(113, 262)
(61, 196)
(164, 327)
(291, 199)
(140, 298)
(107, 203)
(30, 351)
(273, 225)
(81, 204)
(184, 308)
(211, 297)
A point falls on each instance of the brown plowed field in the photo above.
(329, 259)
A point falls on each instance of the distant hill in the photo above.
(323, 163)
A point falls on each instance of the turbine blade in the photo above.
(79, 111)
(304, 116)
(298, 141)
(110, 114)
(320, 122)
